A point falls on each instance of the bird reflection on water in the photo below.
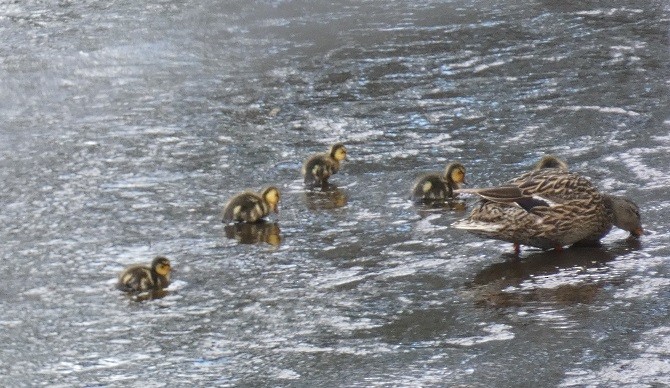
(147, 295)
(502, 284)
(328, 197)
(254, 233)
(427, 208)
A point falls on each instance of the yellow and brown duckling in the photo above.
(549, 208)
(318, 168)
(433, 187)
(252, 207)
(140, 278)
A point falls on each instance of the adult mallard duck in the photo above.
(318, 168)
(433, 187)
(252, 233)
(549, 208)
(250, 206)
(140, 278)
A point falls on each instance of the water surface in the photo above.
(128, 124)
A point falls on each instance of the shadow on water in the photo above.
(254, 233)
(325, 198)
(413, 326)
(502, 284)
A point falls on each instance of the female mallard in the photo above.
(433, 187)
(140, 278)
(318, 168)
(251, 207)
(549, 208)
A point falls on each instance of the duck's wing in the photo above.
(512, 195)
(500, 194)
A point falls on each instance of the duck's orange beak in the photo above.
(637, 232)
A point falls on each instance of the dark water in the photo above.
(126, 125)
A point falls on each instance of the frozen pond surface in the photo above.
(127, 124)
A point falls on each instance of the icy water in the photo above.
(126, 125)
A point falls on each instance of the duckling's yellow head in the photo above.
(455, 173)
(271, 197)
(338, 152)
(161, 265)
(550, 161)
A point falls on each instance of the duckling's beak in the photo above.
(275, 208)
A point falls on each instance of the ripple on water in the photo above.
(494, 332)
(651, 366)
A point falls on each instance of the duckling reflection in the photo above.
(153, 294)
(457, 206)
(502, 284)
(329, 197)
(245, 233)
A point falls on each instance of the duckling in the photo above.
(433, 187)
(251, 207)
(318, 168)
(140, 278)
(327, 198)
(550, 161)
